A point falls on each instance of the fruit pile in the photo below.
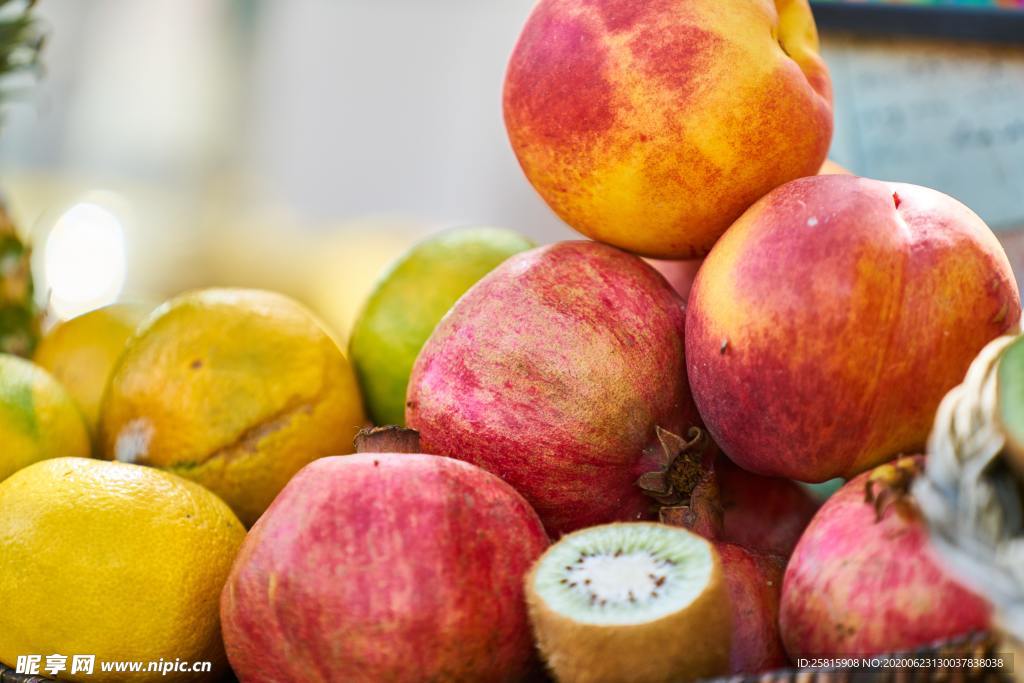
(579, 471)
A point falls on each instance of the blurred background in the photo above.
(303, 145)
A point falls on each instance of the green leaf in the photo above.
(21, 39)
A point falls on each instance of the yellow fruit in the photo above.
(38, 419)
(81, 353)
(113, 560)
(235, 389)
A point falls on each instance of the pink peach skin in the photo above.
(833, 316)
(679, 274)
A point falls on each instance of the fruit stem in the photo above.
(889, 485)
(387, 439)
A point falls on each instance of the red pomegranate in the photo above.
(554, 372)
(385, 567)
(863, 579)
(754, 522)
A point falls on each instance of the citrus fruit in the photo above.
(38, 419)
(235, 389)
(114, 560)
(409, 301)
(81, 353)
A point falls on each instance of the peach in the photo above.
(679, 274)
(827, 324)
(832, 168)
(653, 125)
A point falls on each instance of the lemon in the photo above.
(81, 353)
(408, 302)
(118, 561)
(235, 389)
(38, 419)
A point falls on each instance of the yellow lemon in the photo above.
(38, 419)
(118, 561)
(235, 389)
(81, 353)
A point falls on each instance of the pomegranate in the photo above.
(863, 579)
(553, 372)
(716, 499)
(762, 513)
(725, 502)
(385, 567)
(754, 580)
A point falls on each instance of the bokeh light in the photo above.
(84, 260)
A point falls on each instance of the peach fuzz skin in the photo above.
(680, 274)
(858, 586)
(385, 567)
(827, 324)
(653, 125)
(832, 168)
(552, 372)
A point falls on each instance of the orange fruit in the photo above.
(81, 353)
(38, 419)
(118, 561)
(235, 389)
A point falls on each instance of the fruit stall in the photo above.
(745, 404)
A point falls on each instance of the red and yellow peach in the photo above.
(827, 324)
(653, 125)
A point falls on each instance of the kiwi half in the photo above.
(639, 602)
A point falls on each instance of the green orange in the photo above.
(38, 419)
(409, 301)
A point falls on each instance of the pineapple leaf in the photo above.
(21, 39)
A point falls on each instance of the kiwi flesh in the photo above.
(632, 602)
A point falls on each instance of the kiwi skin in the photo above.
(687, 645)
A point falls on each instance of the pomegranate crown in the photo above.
(889, 485)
